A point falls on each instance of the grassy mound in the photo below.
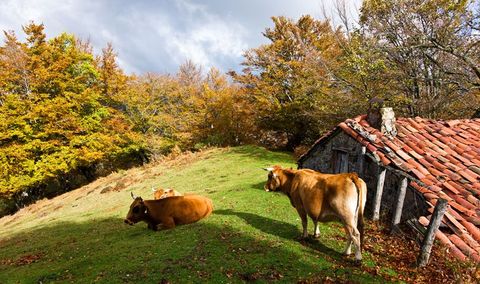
(80, 236)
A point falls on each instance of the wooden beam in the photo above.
(361, 161)
(435, 221)
(397, 215)
(378, 194)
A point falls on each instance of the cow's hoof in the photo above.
(357, 262)
(316, 236)
(152, 227)
(300, 238)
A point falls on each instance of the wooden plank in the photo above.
(435, 221)
(361, 161)
(402, 190)
(378, 194)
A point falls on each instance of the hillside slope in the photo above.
(80, 236)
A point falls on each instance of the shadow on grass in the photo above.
(108, 251)
(282, 229)
(259, 185)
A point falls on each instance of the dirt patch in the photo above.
(106, 189)
(22, 260)
(270, 275)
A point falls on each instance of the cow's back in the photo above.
(324, 195)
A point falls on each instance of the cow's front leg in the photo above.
(303, 217)
(167, 223)
(152, 226)
(316, 231)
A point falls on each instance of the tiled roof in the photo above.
(444, 159)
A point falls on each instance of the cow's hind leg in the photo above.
(303, 216)
(354, 236)
(167, 223)
(348, 248)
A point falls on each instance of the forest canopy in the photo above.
(68, 115)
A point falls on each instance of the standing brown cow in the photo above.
(169, 212)
(324, 197)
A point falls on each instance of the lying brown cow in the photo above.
(169, 212)
(324, 197)
(161, 193)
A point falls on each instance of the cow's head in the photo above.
(137, 212)
(273, 182)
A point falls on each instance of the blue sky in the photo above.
(157, 36)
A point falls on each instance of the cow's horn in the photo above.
(268, 169)
(133, 196)
(153, 189)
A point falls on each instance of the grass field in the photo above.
(80, 237)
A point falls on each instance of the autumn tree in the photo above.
(111, 78)
(188, 109)
(223, 112)
(53, 124)
(290, 79)
(432, 50)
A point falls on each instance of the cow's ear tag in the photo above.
(145, 211)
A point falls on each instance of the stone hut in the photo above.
(430, 159)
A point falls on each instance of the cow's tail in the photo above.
(362, 196)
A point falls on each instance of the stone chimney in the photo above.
(382, 118)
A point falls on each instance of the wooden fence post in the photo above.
(361, 161)
(378, 194)
(397, 216)
(435, 221)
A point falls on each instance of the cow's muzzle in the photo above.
(128, 222)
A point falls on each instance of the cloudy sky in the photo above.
(157, 36)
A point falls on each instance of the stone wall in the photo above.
(322, 158)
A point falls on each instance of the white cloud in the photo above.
(159, 35)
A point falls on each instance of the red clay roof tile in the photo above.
(417, 173)
(435, 188)
(472, 199)
(446, 140)
(455, 215)
(474, 220)
(402, 154)
(430, 196)
(458, 242)
(447, 132)
(474, 231)
(451, 188)
(464, 202)
(452, 175)
(452, 167)
(440, 167)
(466, 174)
(458, 207)
(468, 239)
(427, 181)
(453, 160)
(454, 224)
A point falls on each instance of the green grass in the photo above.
(81, 237)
